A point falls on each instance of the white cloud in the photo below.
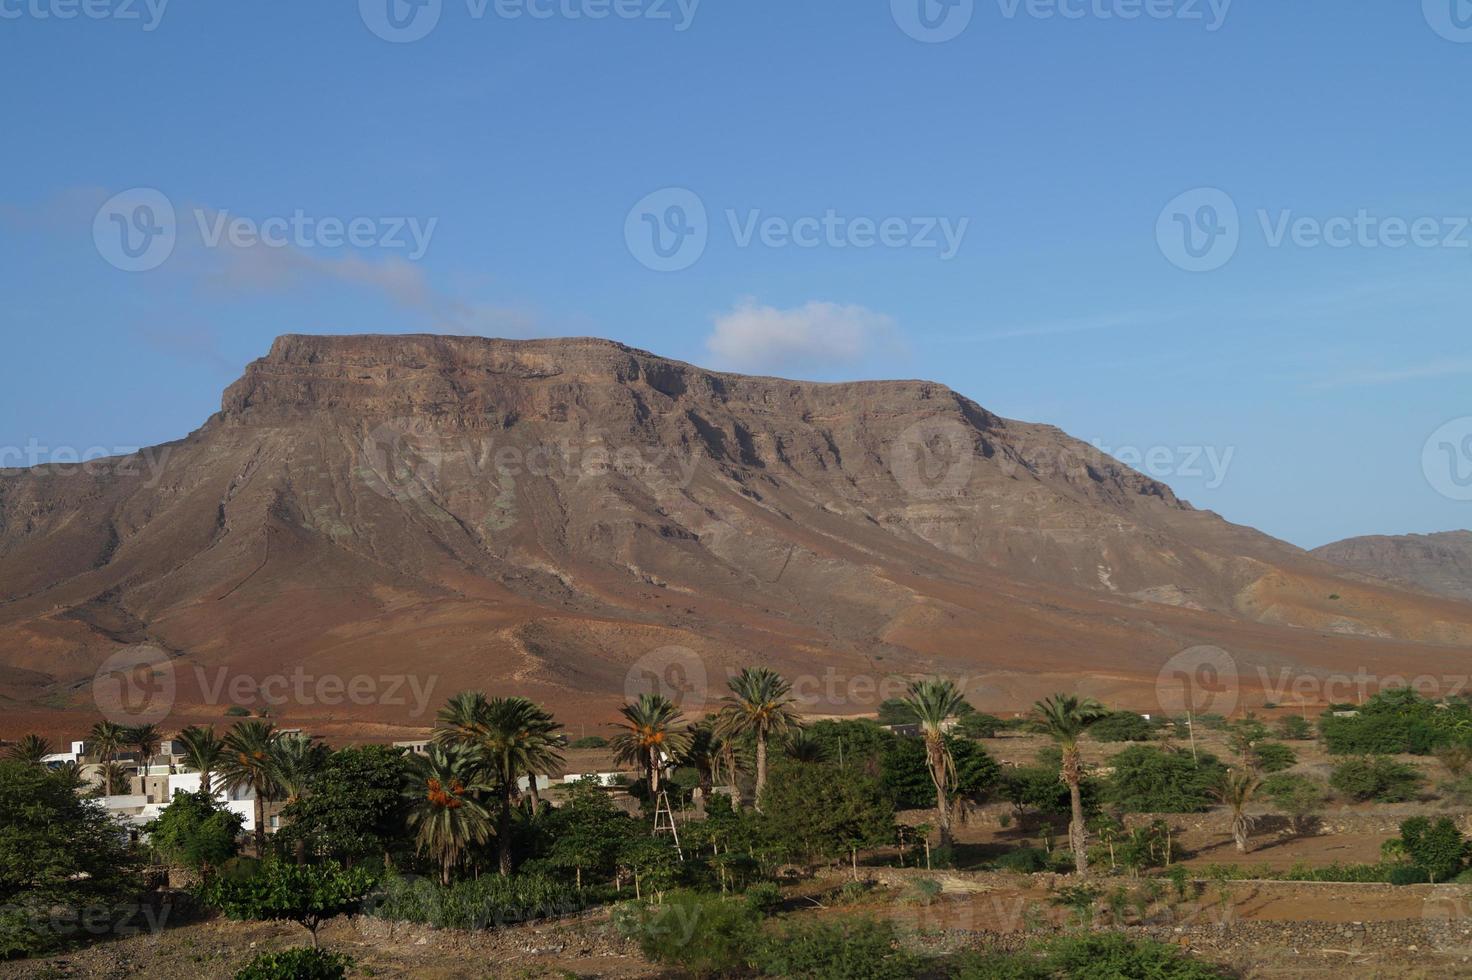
(814, 335)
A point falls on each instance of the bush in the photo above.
(1408, 874)
(1439, 848)
(305, 963)
(1299, 797)
(1376, 778)
(1121, 726)
(590, 742)
(705, 935)
(847, 949)
(1151, 780)
(480, 903)
(1295, 729)
(236, 711)
(1024, 860)
(1274, 756)
(978, 725)
(764, 897)
(1110, 956)
(305, 894)
(195, 831)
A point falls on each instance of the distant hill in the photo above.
(1437, 563)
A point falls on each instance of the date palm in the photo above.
(30, 749)
(106, 739)
(146, 739)
(759, 705)
(446, 814)
(295, 761)
(934, 701)
(650, 731)
(1064, 718)
(802, 747)
(248, 761)
(1236, 790)
(511, 737)
(203, 751)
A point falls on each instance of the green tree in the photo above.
(934, 701)
(248, 762)
(446, 812)
(1294, 729)
(57, 852)
(1297, 797)
(649, 732)
(30, 749)
(511, 737)
(195, 831)
(107, 739)
(1438, 847)
(1376, 778)
(1273, 757)
(587, 832)
(146, 739)
(307, 894)
(356, 808)
(1236, 790)
(1121, 726)
(203, 751)
(1064, 718)
(759, 706)
(819, 812)
(1147, 779)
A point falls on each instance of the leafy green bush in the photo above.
(589, 742)
(1439, 848)
(1299, 797)
(764, 897)
(706, 935)
(1295, 729)
(195, 831)
(486, 902)
(844, 949)
(1408, 874)
(1396, 721)
(305, 963)
(1024, 860)
(1110, 956)
(978, 725)
(1274, 756)
(305, 894)
(1376, 778)
(1152, 780)
(1121, 726)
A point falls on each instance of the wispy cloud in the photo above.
(1442, 368)
(755, 337)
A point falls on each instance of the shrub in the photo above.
(1121, 726)
(305, 963)
(1152, 780)
(1298, 797)
(764, 897)
(1274, 756)
(1439, 848)
(705, 935)
(195, 831)
(590, 742)
(305, 894)
(1111, 955)
(1376, 778)
(236, 711)
(1295, 729)
(480, 903)
(1024, 860)
(926, 890)
(847, 949)
(1408, 874)
(978, 725)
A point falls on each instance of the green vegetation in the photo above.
(1297, 797)
(1398, 721)
(305, 894)
(487, 902)
(305, 963)
(1376, 778)
(589, 742)
(1121, 726)
(195, 831)
(1155, 780)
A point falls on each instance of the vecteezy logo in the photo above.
(1201, 680)
(667, 231)
(1452, 19)
(1446, 459)
(401, 21)
(402, 460)
(135, 231)
(1200, 230)
(135, 686)
(933, 21)
(676, 673)
(933, 459)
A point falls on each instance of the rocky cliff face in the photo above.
(1437, 563)
(538, 515)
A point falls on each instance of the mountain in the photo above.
(1437, 563)
(560, 518)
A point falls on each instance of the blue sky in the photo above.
(531, 153)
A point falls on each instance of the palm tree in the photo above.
(248, 762)
(203, 750)
(649, 732)
(30, 749)
(146, 739)
(511, 736)
(446, 814)
(934, 701)
(760, 704)
(802, 747)
(1236, 791)
(295, 761)
(1064, 718)
(106, 739)
(704, 753)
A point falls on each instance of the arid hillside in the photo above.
(1437, 563)
(540, 515)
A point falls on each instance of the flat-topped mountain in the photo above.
(538, 515)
